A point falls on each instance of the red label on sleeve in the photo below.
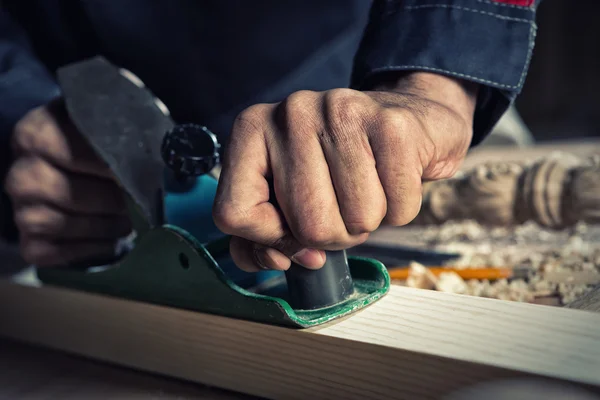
(524, 3)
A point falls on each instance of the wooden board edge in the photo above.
(242, 356)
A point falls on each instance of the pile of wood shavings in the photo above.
(575, 249)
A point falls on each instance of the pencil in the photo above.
(490, 273)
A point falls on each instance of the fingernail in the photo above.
(260, 257)
(268, 258)
(309, 258)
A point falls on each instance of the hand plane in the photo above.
(179, 259)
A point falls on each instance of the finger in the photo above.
(302, 179)
(45, 253)
(241, 206)
(45, 221)
(352, 166)
(251, 257)
(49, 133)
(264, 225)
(399, 175)
(35, 180)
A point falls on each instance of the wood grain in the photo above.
(411, 344)
(588, 302)
(31, 372)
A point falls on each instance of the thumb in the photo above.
(264, 242)
(252, 257)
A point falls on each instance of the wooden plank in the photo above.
(32, 372)
(589, 301)
(411, 344)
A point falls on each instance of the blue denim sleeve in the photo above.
(485, 41)
(24, 82)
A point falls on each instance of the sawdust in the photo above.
(420, 277)
(528, 245)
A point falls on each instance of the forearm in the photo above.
(487, 43)
(456, 94)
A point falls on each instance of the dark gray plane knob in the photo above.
(190, 150)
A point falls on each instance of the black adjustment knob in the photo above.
(313, 289)
(190, 150)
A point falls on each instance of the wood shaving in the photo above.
(451, 282)
(543, 250)
(420, 277)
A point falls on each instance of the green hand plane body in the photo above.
(168, 265)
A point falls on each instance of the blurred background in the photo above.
(560, 99)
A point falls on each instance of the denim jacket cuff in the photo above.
(484, 41)
(22, 89)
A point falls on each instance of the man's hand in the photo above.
(67, 206)
(342, 162)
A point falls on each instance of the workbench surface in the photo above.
(32, 372)
(28, 372)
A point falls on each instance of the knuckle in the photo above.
(41, 172)
(398, 219)
(249, 120)
(11, 182)
(403, 217)
(359, 239)
(35, 221)
(361, 226)
(30, 176)
(30, 132)
(18, 178)
(344, 108)
(347, 115)
(398, 130)
(339, 99)
(365, 216)
(395, 123)
(23, 136)
(295, 115)
(298, 99)
(317, 235)
(230, 218)
(297, 105)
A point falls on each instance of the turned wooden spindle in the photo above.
(556, 191)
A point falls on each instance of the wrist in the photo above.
(446, 109)
(455, 94)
